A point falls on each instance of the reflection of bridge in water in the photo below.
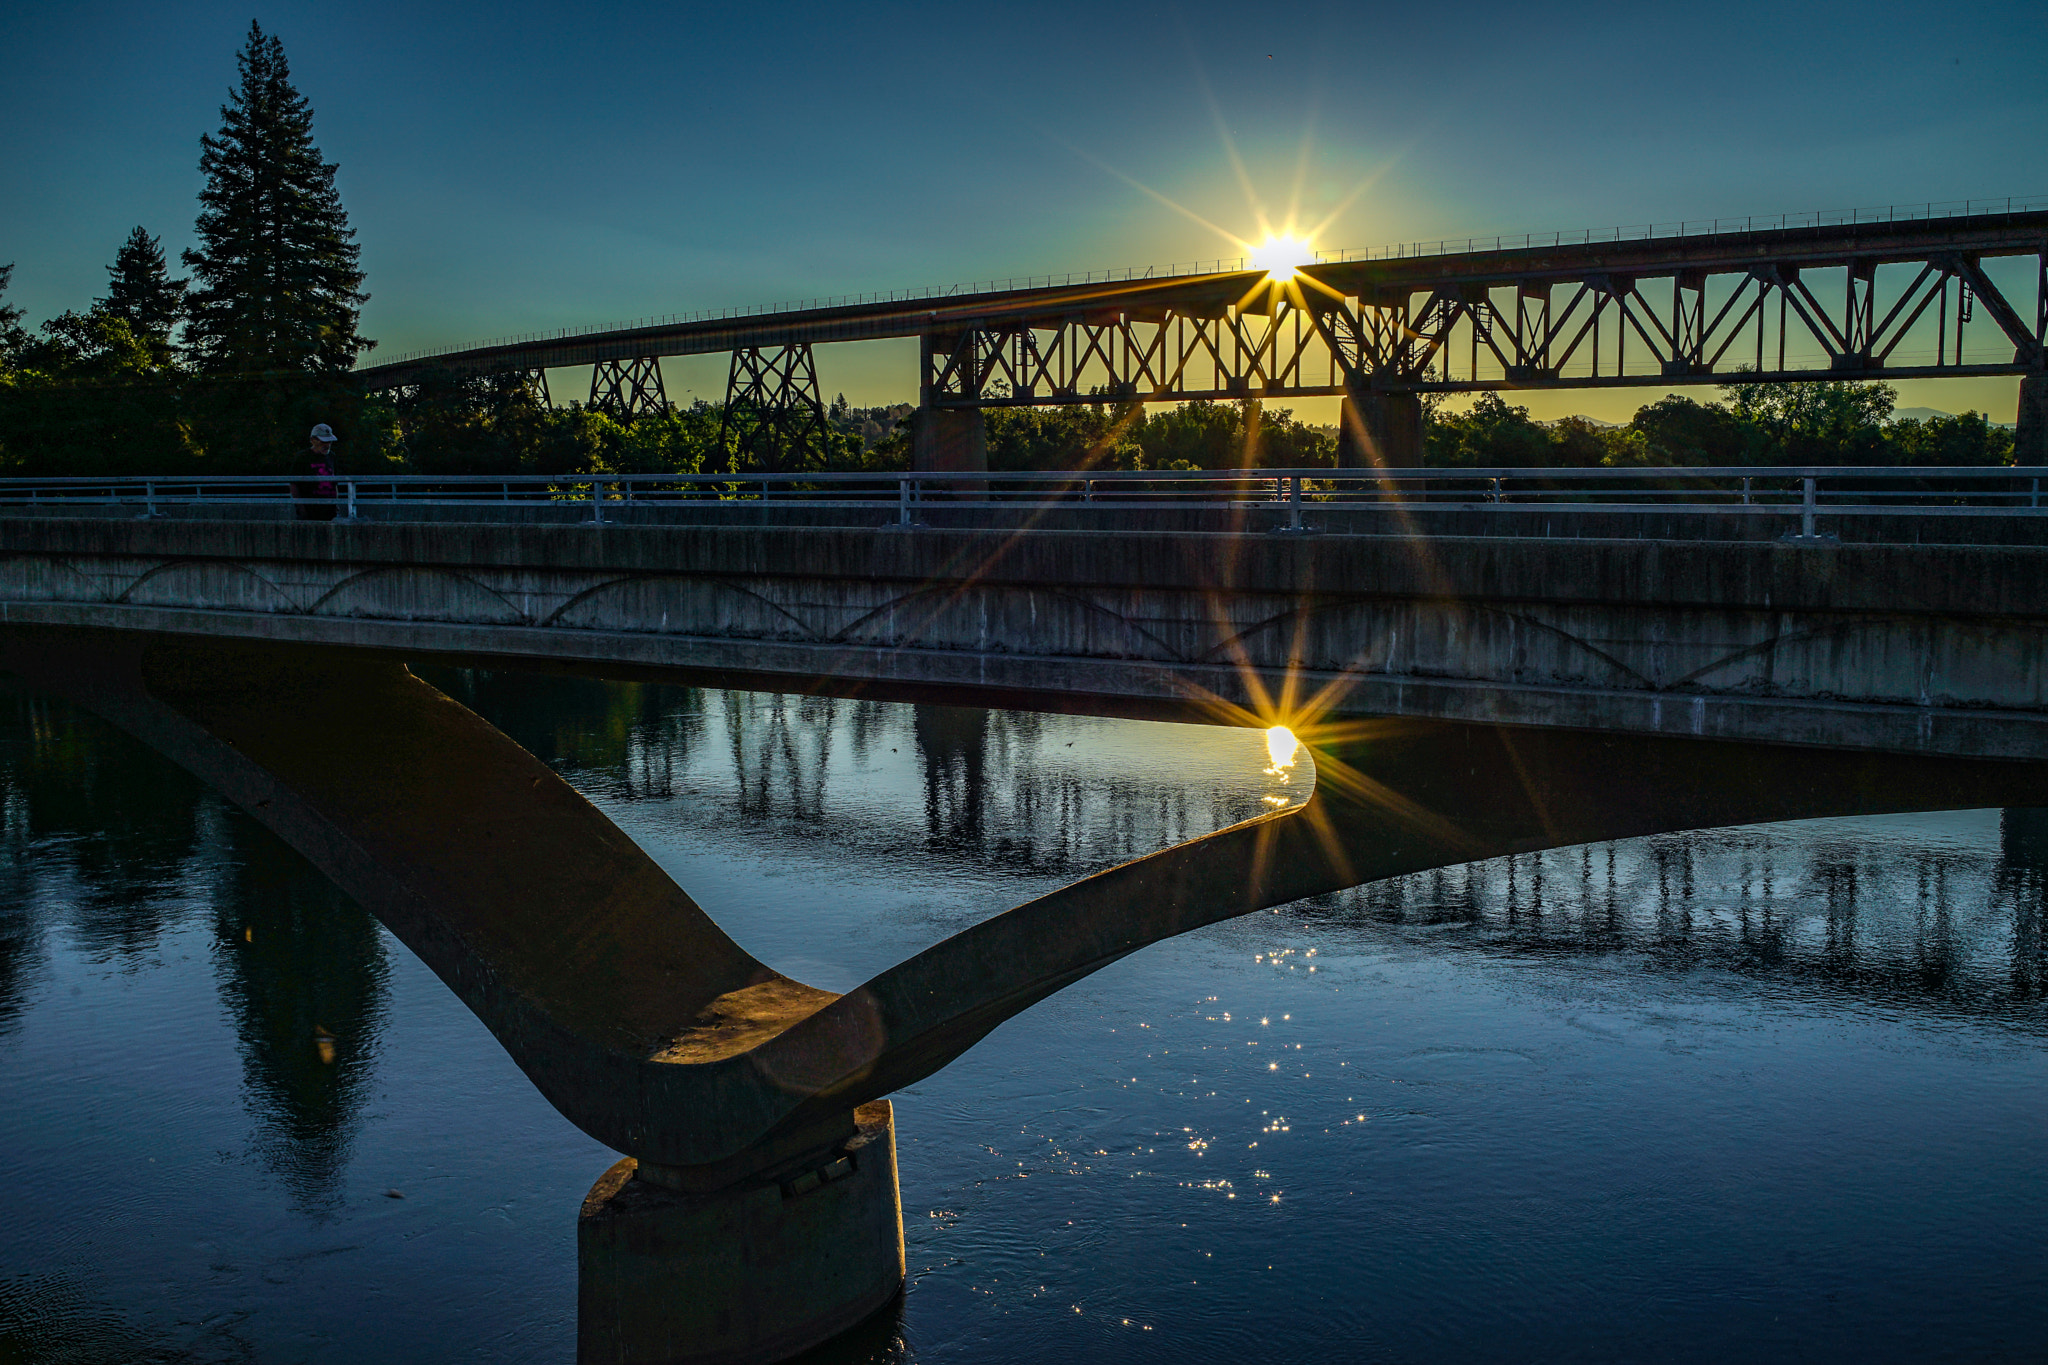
(98, 831)
(1016, 790)
(1875, 911)
(1862, 912)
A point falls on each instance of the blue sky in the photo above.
(514, 167)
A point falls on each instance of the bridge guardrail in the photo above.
(1809, 494)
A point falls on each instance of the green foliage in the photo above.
(452, 424)
(1196, 435)
(1968, 439)
(278, 286)
(108, 414)
(144, 295)
(1050, 438)
(1827, 422)
(469, 424)
(88, 396)
(1493, 433)
(87, 346)
(93, 429)
(1676, 430)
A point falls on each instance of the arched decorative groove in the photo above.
(553, 618)
(1220, 653)
(165, 570)
(514, 614)
(1167, 653)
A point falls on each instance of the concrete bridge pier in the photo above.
(760, 1270)
(2030, 435)
(949, 441)
(1378, 429)
(944, 440)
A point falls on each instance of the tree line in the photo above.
(491, 425)
(447, 424)
(221, 369)
(1825, 422)
(225, 370)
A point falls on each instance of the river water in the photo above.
(1773, 1093)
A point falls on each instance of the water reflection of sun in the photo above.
(1282, 747)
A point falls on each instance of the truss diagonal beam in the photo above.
(774, 417)
(625, 389)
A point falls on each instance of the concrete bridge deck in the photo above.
(1928, 648)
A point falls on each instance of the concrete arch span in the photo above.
(649, 1028)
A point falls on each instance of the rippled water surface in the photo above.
(1777, 1093)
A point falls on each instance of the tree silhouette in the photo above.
(276, 265)
(143, 294)
(10, 317)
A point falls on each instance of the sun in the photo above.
(1280, 255)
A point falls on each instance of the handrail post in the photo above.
(149, 512)
(1806, 508)
(1494, 496)
(596, 503)
(350, 485)
(903, 500)
(1745, 490)
(1294, 502)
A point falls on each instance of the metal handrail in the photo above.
(1809, 492)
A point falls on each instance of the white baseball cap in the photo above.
(323, 432)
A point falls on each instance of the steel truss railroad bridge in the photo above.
(1899, 294)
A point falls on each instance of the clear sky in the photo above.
(513, 167)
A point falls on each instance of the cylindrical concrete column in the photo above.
(2030, 436)
(758, 1272)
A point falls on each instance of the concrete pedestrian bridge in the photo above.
(1854, 624)
(1472, 678)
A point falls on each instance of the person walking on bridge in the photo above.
(314, 501)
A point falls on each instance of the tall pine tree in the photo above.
(143, 294)
(278, 287)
